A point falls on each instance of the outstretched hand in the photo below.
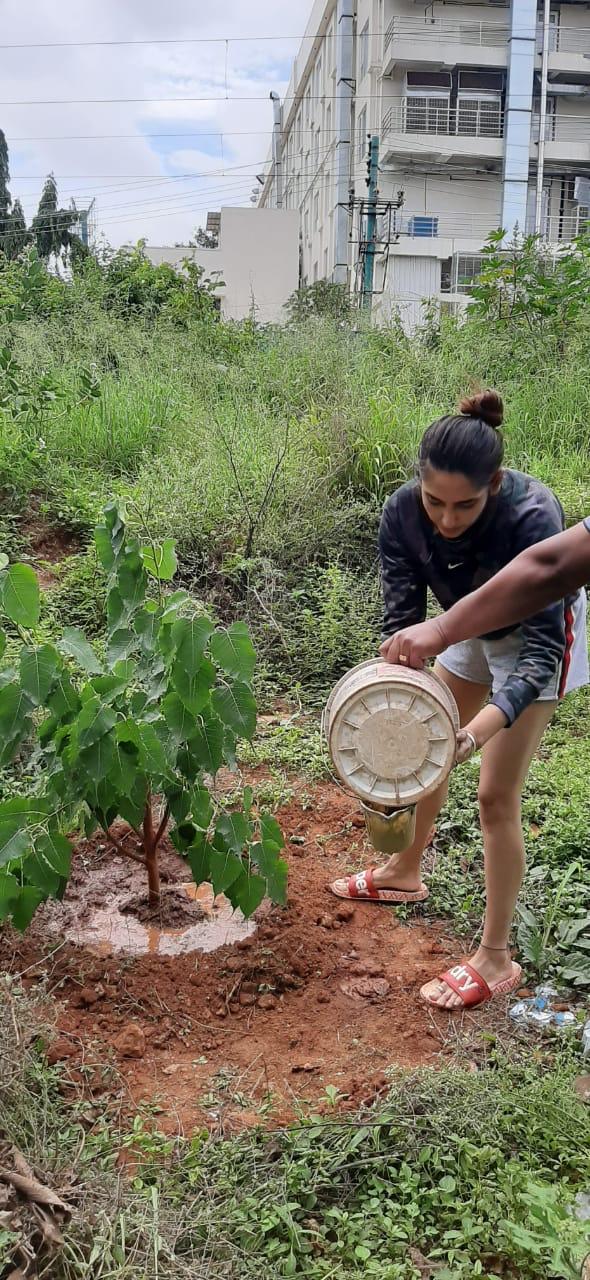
(413, 645)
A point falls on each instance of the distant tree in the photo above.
(17, 236)
(5, 197)
(322, 298)
(204, 240)
(52, 227)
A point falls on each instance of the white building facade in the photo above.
(482, 115)
(256, 262)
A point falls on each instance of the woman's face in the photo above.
(452, 501)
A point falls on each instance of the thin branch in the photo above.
(163, 825)
(125, 853)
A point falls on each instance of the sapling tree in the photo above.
(135, 733)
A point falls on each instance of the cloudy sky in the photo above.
(157, 164)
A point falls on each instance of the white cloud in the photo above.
(127, 174)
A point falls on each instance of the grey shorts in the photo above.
(491, 662)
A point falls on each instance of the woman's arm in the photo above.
(402, 583)
(543, 573)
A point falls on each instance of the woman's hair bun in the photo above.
(486, 405)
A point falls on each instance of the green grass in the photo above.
(455, 1175)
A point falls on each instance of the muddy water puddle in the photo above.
(109, 930)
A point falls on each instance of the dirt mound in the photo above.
(320, 993)
(48, 543)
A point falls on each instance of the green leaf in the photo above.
(198, 858)
(63, 700)
(179, 719)
(271, 831)
(131, 806)
(25, 907)
(20, 595)
(93, 722)
(49, 864)
(109, 687)
(117, 612)
(14, 841)
(121, 644)
(102, 542)
(38, 668)
(206, 745)
(15, 722)
(190, 636)
(247, 892)
(2, 643)
(201, 807)
(194, 686)
(4, 560)
(233, 651)
(152, 753)
(236, 706)
(74, 643)
(97, 760)
(9, 892)
(266, 855)
(160, 561)
(147, 625)
(131, 582)
(171, 606)
(234, 830)
(183, 835)
(224, 869)
(179, 800)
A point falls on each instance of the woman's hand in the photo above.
(467, 746)
(413, 645)
(473, 736)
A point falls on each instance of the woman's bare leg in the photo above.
(505, 763)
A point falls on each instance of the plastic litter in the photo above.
(537, 1011)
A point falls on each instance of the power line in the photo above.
(256, 97)
(250, 39)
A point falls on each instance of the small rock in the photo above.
(195, 980)
(305, 1066)
(524, 993)
(234, 964)
(267, 1001)
(296, 839)
(245, 943)
(345, 912)
(221, 1012)
(325, 922)
(130, 1043)
(59, 1050)
(247, 998)
(357, 820)
(323, 997)
(365, 988)
(582, 1088)
(88, 996)
(367, 969)
(172, 1069)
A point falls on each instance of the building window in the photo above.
(315, 270)
(329, 125)
(316, 209)
(306, 226)
(364, 51)
(316, 149)
(428, 103)
(468, 266)
(325, 264)
(361, 135)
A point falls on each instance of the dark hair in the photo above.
(469, 442)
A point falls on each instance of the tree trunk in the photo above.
(151, 856)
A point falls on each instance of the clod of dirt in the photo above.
(175, 908)
(307, 1067)
(267, 1001)
(59, 1050)
(246, 998)
(325, 922)
(345, 913)
(88, 996)
(367, 969)
(130, 1043)
(365, 988)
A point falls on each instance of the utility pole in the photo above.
(373, 193)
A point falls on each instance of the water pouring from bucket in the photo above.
(391, 732)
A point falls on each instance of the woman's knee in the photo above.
(497, 806)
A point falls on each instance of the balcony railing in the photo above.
(562, 128)
(566, 39)
(441, 30)
(470, 118)
(562, 228)
(455, 225)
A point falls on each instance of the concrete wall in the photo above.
(257, 259)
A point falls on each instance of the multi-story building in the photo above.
(482, 114)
